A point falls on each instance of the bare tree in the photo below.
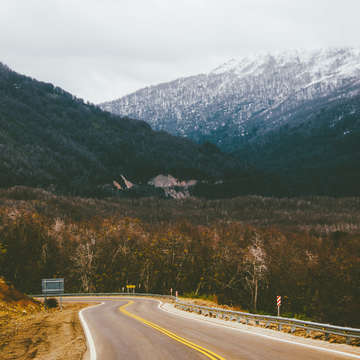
(84, 262)
(256, 268)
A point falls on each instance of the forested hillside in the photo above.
(309, 254)
(317, 152)
(246, 97)
(292, 117)
(49, 138)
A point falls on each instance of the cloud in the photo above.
(101, 50)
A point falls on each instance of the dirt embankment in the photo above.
(47, 335)
(30, 331)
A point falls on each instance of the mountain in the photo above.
(242, 100)
(51, 139)
(292, 116)
(316, 152)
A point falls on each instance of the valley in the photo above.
(104, 200)
(179, 180)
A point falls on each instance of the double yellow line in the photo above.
(211, 355)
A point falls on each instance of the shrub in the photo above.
(51, 303)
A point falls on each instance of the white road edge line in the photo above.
(89, 338)
(263, 335)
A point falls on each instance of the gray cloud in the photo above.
(103, 49)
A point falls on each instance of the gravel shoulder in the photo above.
(45, 335)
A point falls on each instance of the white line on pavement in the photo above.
(160, 306)
(88, 336)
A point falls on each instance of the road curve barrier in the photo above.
(267, 320)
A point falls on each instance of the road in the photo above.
(133, 328)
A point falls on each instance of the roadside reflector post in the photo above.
(176, 294)
(278, 303)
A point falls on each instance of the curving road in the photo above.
(134, 328)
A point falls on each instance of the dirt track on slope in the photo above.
(49, 335)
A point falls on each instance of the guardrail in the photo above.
(104, 294)
(267, 320)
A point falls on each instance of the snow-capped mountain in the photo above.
(245, 98)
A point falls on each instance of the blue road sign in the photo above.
(53, 286)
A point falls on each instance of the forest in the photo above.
(235, 258)
(51, 139)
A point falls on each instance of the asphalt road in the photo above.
(131, 328)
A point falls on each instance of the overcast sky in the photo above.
(103, 49)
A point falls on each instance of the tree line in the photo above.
(318, 275)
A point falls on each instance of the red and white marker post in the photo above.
(278, 303)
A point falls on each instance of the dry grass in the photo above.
(30, 331)
(14, 302)
(43, 335)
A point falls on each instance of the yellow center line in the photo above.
(211, 355)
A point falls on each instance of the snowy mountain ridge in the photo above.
(245, 98)
(320, 61)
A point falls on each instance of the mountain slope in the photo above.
(245, 98)
(316, 152)
(292, 116)
(50, 138)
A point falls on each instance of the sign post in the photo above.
(278, 303)
(53, 287)
(130, 287)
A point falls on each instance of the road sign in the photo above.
(131, 287)
(53, 286)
